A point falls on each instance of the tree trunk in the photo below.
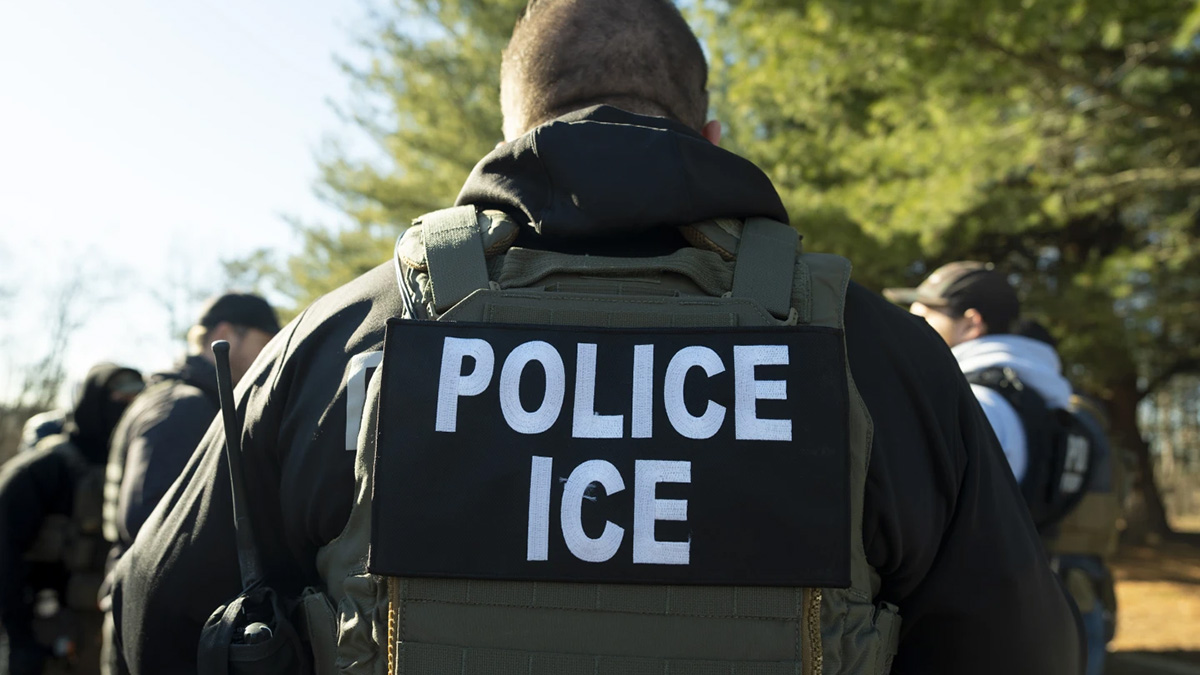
(1126, 435)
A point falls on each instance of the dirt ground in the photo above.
(1158, 595)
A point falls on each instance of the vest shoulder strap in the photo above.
(454, 254)
(765, 265)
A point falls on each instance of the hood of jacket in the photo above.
(603, 172)
(194, 370)
(1035, 362)
(96, 412)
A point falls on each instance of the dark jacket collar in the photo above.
(196, 371)
(601, 172)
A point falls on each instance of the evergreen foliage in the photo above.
(1058, 139)
(429, 98)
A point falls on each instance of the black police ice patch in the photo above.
(613, 455)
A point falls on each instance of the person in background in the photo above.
(1082, 544)
(40, 426)
(1016, 374)
(166, 422)
(52, 554)
(973, 308)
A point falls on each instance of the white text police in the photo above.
(453, 385)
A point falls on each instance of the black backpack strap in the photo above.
(1026, 402)
(1037, 423)
(993, 378)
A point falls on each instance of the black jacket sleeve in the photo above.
(944, 521)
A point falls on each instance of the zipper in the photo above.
(393, 607)
(811, 654)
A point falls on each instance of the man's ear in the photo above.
(973, 326)
(712, 131)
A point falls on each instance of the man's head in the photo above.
(245, 321)
(962, 301)
(99, 402)
(637, 55)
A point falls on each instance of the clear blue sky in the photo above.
(141, 142)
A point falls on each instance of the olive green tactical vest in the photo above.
(457, 265)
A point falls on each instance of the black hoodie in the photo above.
(95, 414)
(152, 444)
(944, 523)
(41, 483)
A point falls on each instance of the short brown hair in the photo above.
(638, 55)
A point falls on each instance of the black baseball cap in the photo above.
(964, 285)
(240, 309)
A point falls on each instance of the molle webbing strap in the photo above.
(524, 268)
(584, 629)
(454, 252)
(419, 659)
(766, 261)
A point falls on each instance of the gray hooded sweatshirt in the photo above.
(1036, 364)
